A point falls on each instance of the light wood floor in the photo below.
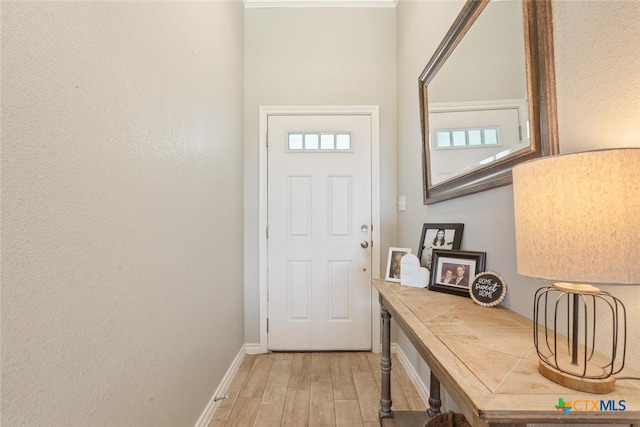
(312, 389)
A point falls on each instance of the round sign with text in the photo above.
(488, 289)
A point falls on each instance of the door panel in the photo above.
(319, 276)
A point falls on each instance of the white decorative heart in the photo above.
(411, 274)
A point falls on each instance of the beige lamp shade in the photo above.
(577, 217)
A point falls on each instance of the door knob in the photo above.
(364, 244)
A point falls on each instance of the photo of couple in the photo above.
(454, 270)
(455, 275)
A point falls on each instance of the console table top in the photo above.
(485, 359)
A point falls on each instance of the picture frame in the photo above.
(429, 240)
(453, 270)
(392, 273)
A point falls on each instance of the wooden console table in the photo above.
(485, 359)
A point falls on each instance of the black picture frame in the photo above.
(469, 262)
(429, 240)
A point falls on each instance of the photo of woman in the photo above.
(438, 236)
(462, 278)
(438, 242)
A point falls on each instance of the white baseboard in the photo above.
(207, 415)
(252, 348)
(421, 387)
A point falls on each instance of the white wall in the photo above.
(597, 61)
(316, 56)
(122, 291)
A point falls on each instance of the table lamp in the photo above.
(577, 221)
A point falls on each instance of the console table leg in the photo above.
(385, 392)
(434, 396)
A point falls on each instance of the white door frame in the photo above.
(370, 110)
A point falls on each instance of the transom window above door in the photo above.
(314, 142)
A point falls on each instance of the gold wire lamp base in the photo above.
(569, 359)
(600, 386)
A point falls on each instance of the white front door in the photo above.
(319, 232)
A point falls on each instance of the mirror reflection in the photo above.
(478, 99)
(487, 97)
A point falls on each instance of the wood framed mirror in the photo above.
(487, 97)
